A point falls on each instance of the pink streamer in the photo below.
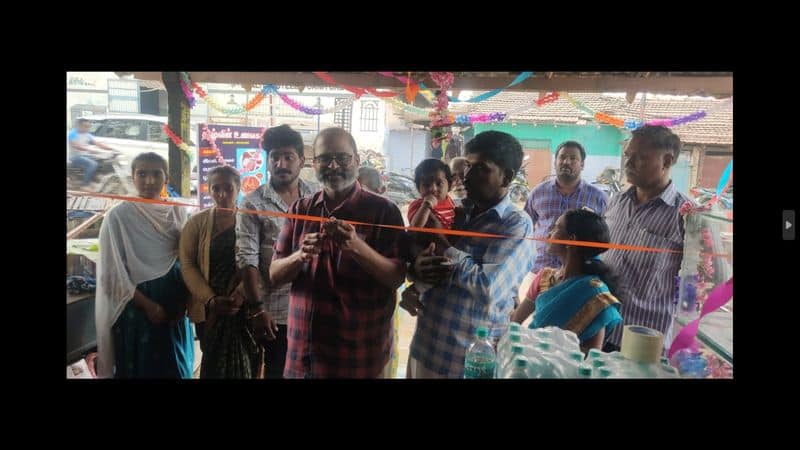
(716, 299)
(188, 93)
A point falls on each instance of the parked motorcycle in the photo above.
(519, 189)
(609, 181)
(399, 189)
(704, 195)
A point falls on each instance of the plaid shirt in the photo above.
(546, 204)
(340, 317)
(479, 292)
(255, 237)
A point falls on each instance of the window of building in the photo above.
(369, 116)
(343, 117)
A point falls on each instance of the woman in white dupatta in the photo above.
(140, 303)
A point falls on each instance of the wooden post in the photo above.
(178, 120)
(694, 175)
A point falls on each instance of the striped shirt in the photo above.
(649, 277)
(255, 237)
(546, 204)
(480, 291)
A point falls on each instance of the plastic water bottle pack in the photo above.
(555, 353)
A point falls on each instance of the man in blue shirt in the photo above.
(474, 279)
(550, 199)
(79, 150)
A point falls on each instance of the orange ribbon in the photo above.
(462, 233)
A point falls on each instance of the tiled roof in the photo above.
(715, 128)
(152, 84)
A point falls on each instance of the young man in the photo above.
(477, 284)
(256, 234)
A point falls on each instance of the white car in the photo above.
(132, 134)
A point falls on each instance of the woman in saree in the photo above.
(579, 296)
(208, 263)
(140, 303)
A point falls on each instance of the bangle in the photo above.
(253, 316)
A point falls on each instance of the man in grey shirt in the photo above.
(256, 234)
(647, 215)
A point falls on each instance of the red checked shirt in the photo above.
(340, 317)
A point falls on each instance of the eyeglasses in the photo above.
(342, 159)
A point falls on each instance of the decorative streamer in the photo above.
(183, 146)
(185, 82)
(479, 98)
(358, 91)
(718, 297)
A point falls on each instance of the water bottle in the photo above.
(584, 371)
(543, 334)
(504, 365)
(520, 369)
(604, 372)
(573, 340)
(480, 359)
(638, 369)
(598, 363)
(615, 361)
(577, 357)
(567, 365)
(542, 362)
(507, 341)
(544, 347)
(575, 361)
(595, 353)
(539, 366)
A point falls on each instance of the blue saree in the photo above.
(582, 305)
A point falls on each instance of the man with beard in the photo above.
(343, 276)
(256, 234)
(551, 198)
(475, 278)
